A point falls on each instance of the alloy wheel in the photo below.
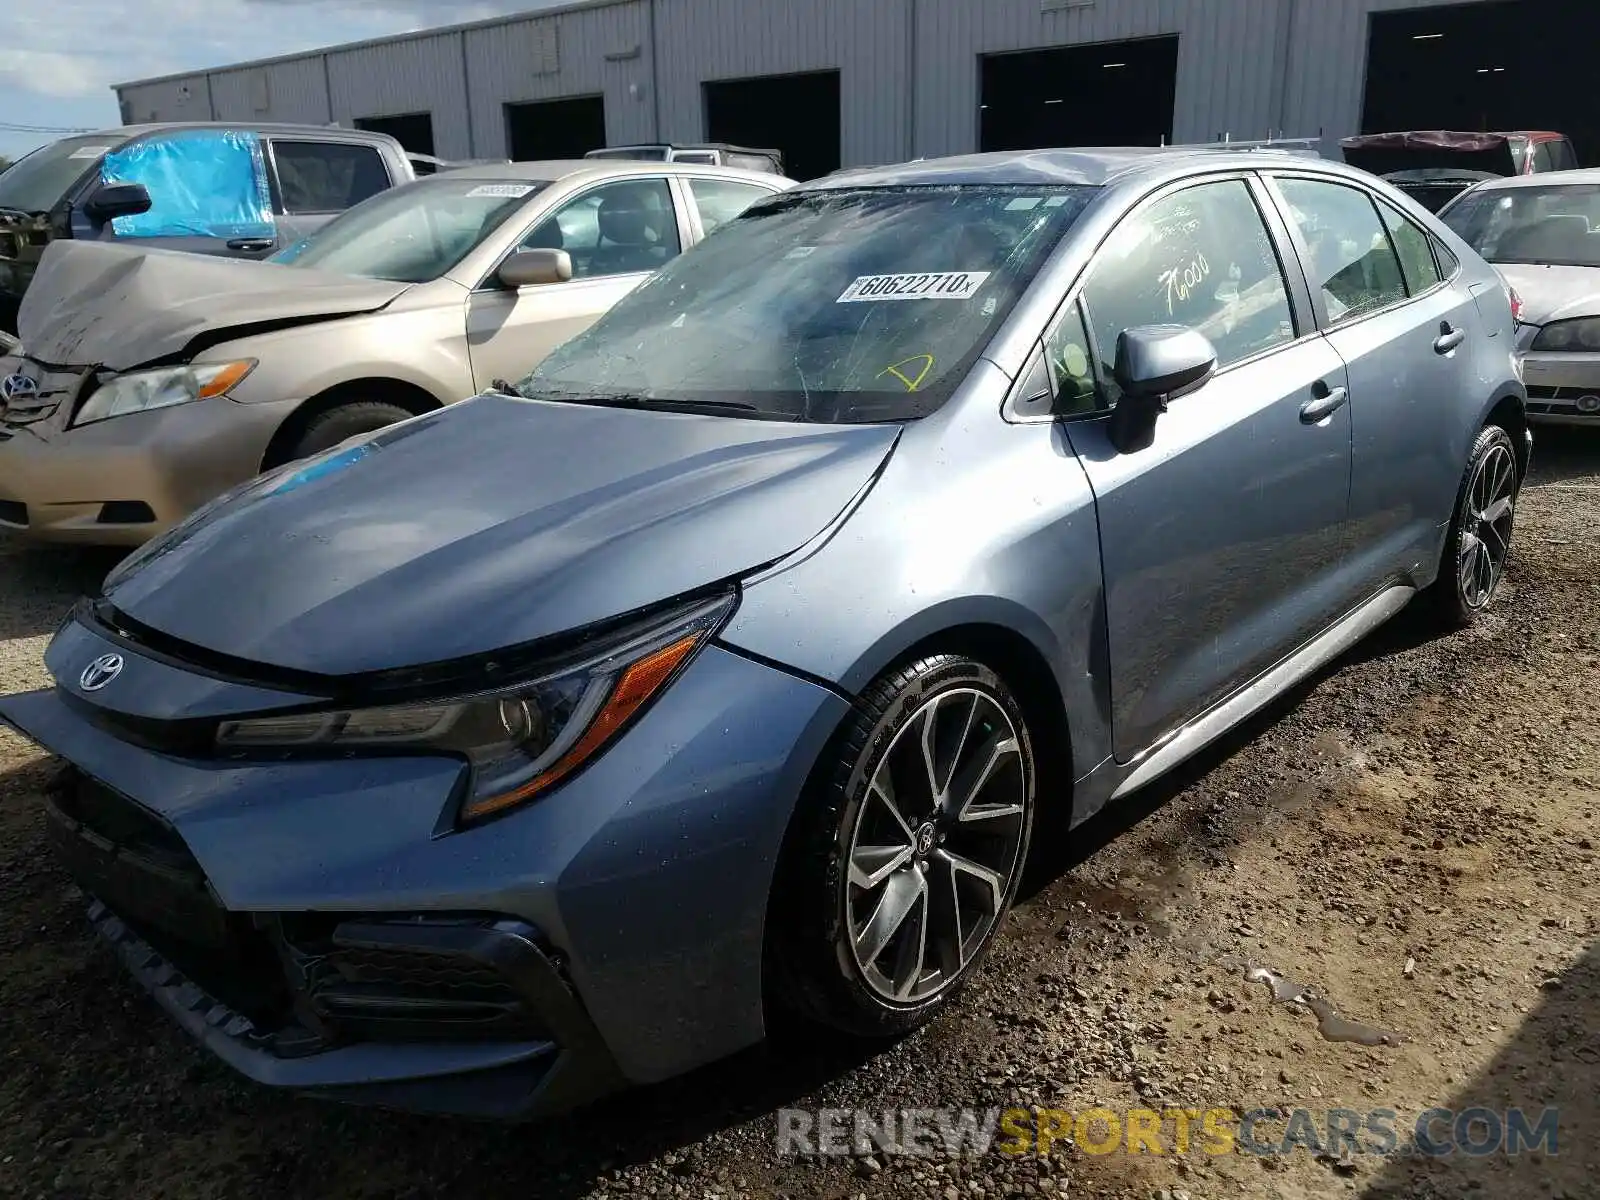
(1486, 526)
(937, 846)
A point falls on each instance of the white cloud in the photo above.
(49, 72)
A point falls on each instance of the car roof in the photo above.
(1097, 166)
(270, 128)
(1584, 175)
(550, 170)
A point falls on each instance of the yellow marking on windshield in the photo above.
(914, 380)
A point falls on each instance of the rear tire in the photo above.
(905, 852)
(1479, 541)
(326, 430)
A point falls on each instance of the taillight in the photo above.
(1516, 304)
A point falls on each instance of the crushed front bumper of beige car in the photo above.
(121, 481)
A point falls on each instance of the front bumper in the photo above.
(1563, 388)
(123, 481)
(635, 895)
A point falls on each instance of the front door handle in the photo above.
(1325, 402)
(250, 245)
(1448, 338)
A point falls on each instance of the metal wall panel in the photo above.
(181, 98)
(1225, 54)
(866, 42)
(1245, 67)
(598, 51)
(1326, 77)
(421, 74)
(295, 90)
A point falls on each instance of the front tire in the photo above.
(328, 429)
(906, 851)
(1479, 540)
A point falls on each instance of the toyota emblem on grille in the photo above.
(18, 387)
(100, 672)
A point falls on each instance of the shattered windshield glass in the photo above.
(415, 233)
(837, 306)
(1550, 226)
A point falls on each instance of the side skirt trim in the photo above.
(1254, 696)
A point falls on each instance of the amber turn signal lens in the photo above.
(225, 380)
(640, 681)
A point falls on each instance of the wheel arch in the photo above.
(409, 396)
(1509, 411)
(1010, 639)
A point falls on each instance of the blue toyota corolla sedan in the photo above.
(545, 744)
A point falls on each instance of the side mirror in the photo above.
(1155, 364)
(117, 200)
(526, 268)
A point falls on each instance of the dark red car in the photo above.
(1434, 166)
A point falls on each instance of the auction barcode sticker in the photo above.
(938, 285)
(510, 191)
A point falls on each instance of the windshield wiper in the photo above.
(501, 388)
(646, 403)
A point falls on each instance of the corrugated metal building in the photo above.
(836, 82)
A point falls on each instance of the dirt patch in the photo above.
(1412, 837)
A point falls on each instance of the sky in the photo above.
(58, 59)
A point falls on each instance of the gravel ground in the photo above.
(1412, 836)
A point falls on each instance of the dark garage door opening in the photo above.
(1499, 66)
(798, 114)
(1104, 94)
(556, 128)
(414, 131)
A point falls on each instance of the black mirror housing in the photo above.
(114, 200)
(526, 268)
(1155, 364)
(1163, 360)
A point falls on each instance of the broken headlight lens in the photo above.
(141, 391)
(521, 741)
(1582, 335)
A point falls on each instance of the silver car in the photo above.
(151, 381)
(558, 740)
(1543, 234)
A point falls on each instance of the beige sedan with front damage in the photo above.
(150, 381)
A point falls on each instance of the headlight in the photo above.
(140, 391)
(1582, 334)
(521, 741)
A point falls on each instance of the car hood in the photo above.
(99, 304)
(494, 523)
(1553, 293)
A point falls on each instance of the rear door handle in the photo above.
(250, 245)
(1448, 338)
(1326, 402)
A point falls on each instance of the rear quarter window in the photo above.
(327, 177)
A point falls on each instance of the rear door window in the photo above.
(721, 200)
(1415, 249)
(202, 183)
(1350, 260)
(327, 177)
